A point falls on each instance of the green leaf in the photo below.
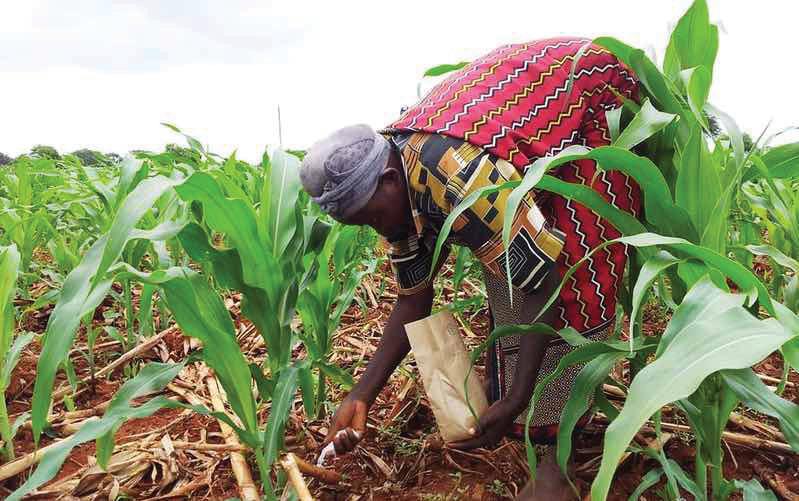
(581, 354)
(467, 202)
(651, 269)
(284, 188)
(775, 254)
(613, 117)
(652, 79)
(200, 313)
(77, 298)
(278, 414)
(647, 122)
(783, 161)
(698, 186)
(756, 395)
(442, 69)
(12, 356)
(697, 86)
(590, 377)
(337, 375)
(193, 143)
(745, 279)
(133, 208)
(531, 178)
(308, 392)
(587, 196)
(152, 377)
(734, 339)
(753, 491)
(9, 269)
(694, 42)
(704, 300)
(234, 218)
(651, 478)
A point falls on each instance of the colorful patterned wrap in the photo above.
(522, 102)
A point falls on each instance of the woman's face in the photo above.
(388, 211)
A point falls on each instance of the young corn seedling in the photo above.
(11, 346)
(266, 245)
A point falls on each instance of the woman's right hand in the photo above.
(350, 417)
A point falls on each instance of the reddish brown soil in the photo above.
(401, 456)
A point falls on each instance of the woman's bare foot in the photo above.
(550, 484)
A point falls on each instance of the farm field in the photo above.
(181, 324)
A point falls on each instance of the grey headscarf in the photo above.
(341, 172)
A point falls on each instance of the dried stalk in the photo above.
(736, 438)
(238, 462)
(733, 438)
(142, 347)
(13, 468)
(289, 464)
(199, 446)
(769, 379)
(323, 474)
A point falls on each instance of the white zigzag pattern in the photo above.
(630, 195)
(582, 243)
(523, 121)
(432, 101)
(604, 237)
(567, 141)
(507, 79)
(590, 261)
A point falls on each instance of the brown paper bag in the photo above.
(443, 363)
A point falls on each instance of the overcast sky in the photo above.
(103, 74)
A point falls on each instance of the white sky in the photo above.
(103, 74)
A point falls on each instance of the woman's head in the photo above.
(357, 177)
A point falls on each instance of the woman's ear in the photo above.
(391, 177)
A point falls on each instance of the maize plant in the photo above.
(249, 230)
(10, 345)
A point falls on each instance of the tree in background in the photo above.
(44, 151)
(91, 157)
(5, 159)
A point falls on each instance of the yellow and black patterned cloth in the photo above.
(441, 171)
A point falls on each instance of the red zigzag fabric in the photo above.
(516, 103)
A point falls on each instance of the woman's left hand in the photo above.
(492, 426)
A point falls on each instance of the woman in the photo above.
(482, 126)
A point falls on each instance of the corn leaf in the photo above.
(704, 300)
(77, 298)
(152, 377)
(650, 270)
(783, 161)
(283, 189)
(233, 217)
(442, 69)
(694, 42)
(756, 395)
(589, 378)
(9, 268)
(282, 400)
(651, 478)
(753, 491)
(733, 339)
(647, 122)
(777, 255)
(697, 87)
(698, 186)
(200, 313)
